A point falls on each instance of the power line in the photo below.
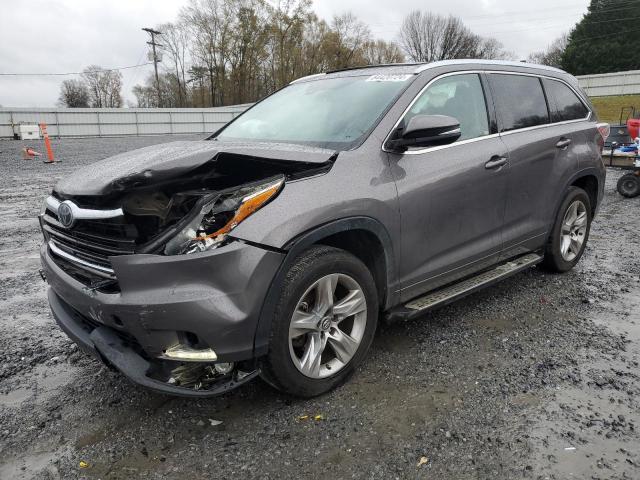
(132, 80)
(71, 73)
(586, 39)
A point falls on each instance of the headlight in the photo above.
(220, 214)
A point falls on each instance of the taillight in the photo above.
(604, 130)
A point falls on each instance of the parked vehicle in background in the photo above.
(273, 247)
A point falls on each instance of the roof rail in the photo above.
(380, 65)
(506, 63)
(306, 77)
(422, 66)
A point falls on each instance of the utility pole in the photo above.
(153, 44)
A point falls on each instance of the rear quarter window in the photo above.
(519, 100)
(565, 104)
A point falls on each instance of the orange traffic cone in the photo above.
(47, 144)
(29, 153)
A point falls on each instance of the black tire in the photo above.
(553, 259)
(629, 185)
(277, 367)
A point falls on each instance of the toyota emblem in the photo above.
(65, 215)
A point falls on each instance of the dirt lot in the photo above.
(537, 377)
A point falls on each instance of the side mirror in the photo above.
(426, 131)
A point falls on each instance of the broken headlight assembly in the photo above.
(219, 214)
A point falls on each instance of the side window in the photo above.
(458, 96)
(519, 100)
(565, 103)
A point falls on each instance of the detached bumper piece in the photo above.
(104, 343)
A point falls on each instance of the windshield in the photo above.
(334, 113)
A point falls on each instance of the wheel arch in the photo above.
(590, 177)
(590, 184)
(354, 234)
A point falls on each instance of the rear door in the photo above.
(571, 120)
(452, 197)
(543, 150)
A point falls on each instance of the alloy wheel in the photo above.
(574, 230)
(327, 326)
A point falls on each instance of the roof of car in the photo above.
(416, 68)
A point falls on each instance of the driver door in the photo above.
(452, 197)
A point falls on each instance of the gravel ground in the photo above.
(536, 377)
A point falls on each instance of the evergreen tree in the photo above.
(607, 39)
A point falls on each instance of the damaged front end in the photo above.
(136, 266)
(169, 377)
(182, 207)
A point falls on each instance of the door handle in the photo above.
(495, 163)
(563, 143)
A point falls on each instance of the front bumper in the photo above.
(215, 297)
(106, 345)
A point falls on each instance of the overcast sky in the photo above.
(50, 36)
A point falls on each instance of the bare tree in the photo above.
(288, 20)
(104, 87)
(220, 52)
(552, 56)
(198, 75)
(210, 25)
(175, 45)
(147, 94)
(428, 37)
(315, 42)
(74, 94)
(380, 52)
(246, 50)
(350, 36)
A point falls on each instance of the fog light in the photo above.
(224, 368)
(187, 354)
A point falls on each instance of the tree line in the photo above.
(224, 52)
(603, 41)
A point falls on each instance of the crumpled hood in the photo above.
(157, 163)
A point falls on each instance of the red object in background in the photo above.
(29, 153)
(633, 126)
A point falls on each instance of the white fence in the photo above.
(104, 122)
(618, 83)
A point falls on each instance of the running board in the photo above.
(455, 291)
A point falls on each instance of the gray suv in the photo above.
(273, 247)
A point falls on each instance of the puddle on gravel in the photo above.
(39, 385)
(589, 431)
(31, 466)
(624, 316)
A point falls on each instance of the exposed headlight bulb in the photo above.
(221, 214)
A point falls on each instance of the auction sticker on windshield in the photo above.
(389, 78)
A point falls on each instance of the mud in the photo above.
(537, 377)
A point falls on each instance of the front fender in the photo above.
(299, 244)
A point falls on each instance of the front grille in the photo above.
(88, 244)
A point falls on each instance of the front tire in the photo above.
(570, 232)
(323, 324)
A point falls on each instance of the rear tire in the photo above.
(570, 232)
(629, 185)
(340, 325)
